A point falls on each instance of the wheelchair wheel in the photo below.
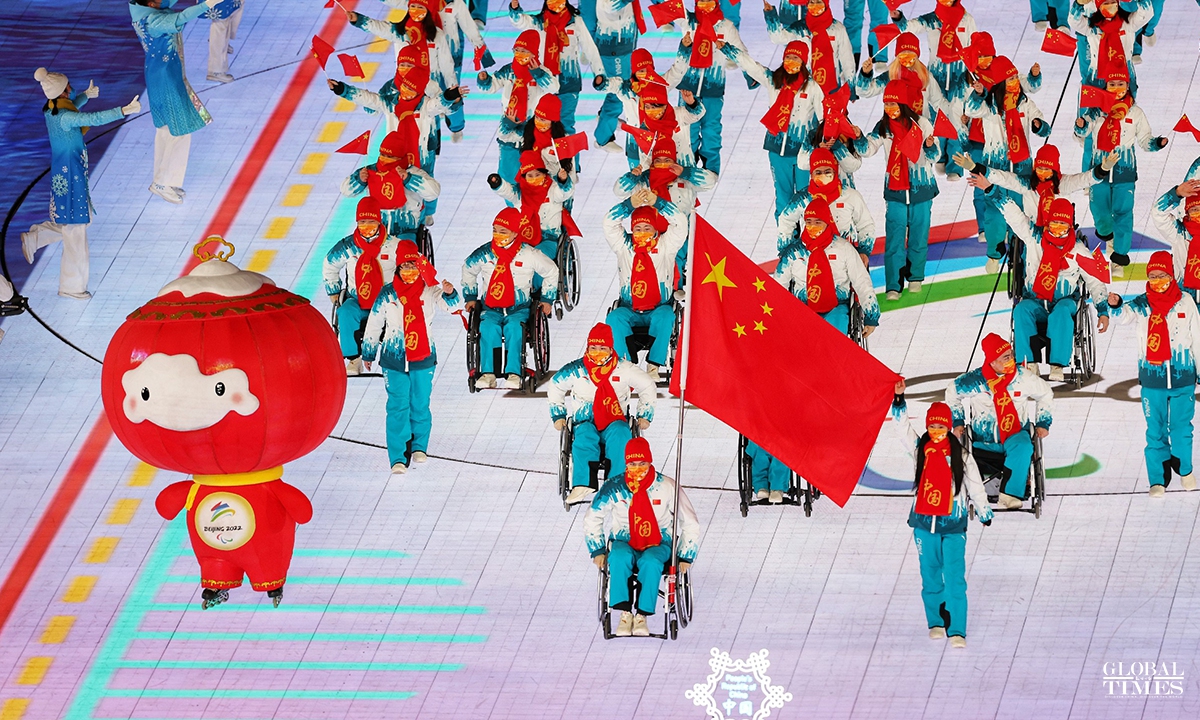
(568, 274)
(1085, 344)
(564, 463)
(684, 590)
(745, 479)
(857, 324)
(1016, 268)
(676, 331)
(473, 348)
(425, 244)
(806, 492)
(673, 628)
(603, 612)
(1038, 480)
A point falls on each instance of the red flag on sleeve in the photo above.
(644, 138)
(910, 144)
(322, 50)
(1057, 42)
(357, 146)
(569, 226)
(351, 66)
(1094, 97)
(571, 145)
(1095, 265)
(763, 363)
(1185, 125)
(667, 12)
(885, 34)
(943, 128)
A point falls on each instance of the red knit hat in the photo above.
(1190, 202)
(1002, 69)
(368, 209)
(908, 42)
(654, 93)
(1113, 71)
(549, 108)
(664, 147)
(528, 41)
(641, 59)
(982, 44)
(994, 346)
(403, 143)
(601, 334)
(896, 91)
(798, 49)
(510, 219)
(647, 214)
(638, 450)
(939, 414)
(818, 209)
(531, 160)
(1161, 260)
(1061, 210)
(413, 54)
(1047, 157)
(822, 158)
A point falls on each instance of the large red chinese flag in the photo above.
(763, 363)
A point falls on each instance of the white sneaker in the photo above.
(652, 371)
(892, 295)
(992, 267)
(354, 367)
(513, 382)
(624, 625)
(456, 136)
(429, 221)
(953, 177)
(1157, 491)
(762, 494)
(419, 457)
(939, 168)
(1108, 247)
(1008, 502)
(612, 147)
(914, 287)
(399, 468)
(640, 629)
(982, 237)
(1150, 40)
(1137, 59)
(85, 295)
(1189, 481)
(166, 193)
(1041, 25)
(937, 633)
(578, 494)
(1118, 271)
(485, 381)
(180, 192)
(28, 245)
(776, 497)
(1056, 374)
(958, 641)
(220, 78)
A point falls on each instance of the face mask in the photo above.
(1109, 11)
(656, 111)
(1160, 284)
(1010, 366)
(816, 8)
(985, 62)
(814, 231)
(502, 240)
(1058, 229)
(823, 178)
(938, 435)
(892, 112)
(636, 474)
(536, 180)
(792, 66)
(642, 239)
(1012, 86)
(369, 231)
(908, 59)
(541, 124)
(1194, 214)
(556, 5)
(1044, 173)
(385, 161)
(409, 275)
(599, 357)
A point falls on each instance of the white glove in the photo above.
(92, 91)
(212, 3)
(133, 108)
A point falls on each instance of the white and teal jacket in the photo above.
(807, 112)
(1135, 133)
(849, 275)
(70, 197)
(970, 487)
(434, 105)
(866, 86)
(512, 133)
(453, 13)
(477, 274)
(683, 191)
(550, 213)
(419, 188)
(995, 137)
(951, 78)
(781, 33)
(384, 334)
(580, 49)
(685, 115)
(663, 254)
(1183, 324)
(611, 507)
(344, 255)
(173, 103)
(1079, 18)
(922, 185)
(1069, 277)
(969, 393)
(1172, 230)
(1024, 184)
(616, 29)
(850, 214)
(441, 61)
(704, 82)
(573, 379)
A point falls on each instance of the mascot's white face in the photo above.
(172, 393)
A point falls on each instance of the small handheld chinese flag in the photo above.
(322, 50)
(483, 58)
(885, 34)
(357, 146)
(1094, 97)
(1095, 265)
(943, 128)
(894, 5)
(1057, 42)
(667, 12)
(571, 145)
(329, 4)
(910, 144)
(643, 138)
(1185, 125)
(351, 66)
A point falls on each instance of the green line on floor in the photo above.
(311, 637)
(339, 608)
(939, 290)
(299, 665)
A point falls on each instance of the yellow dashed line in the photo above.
(14, 709)
(369, 69)
(101, 550)
(343, 105)
(314, 163)
(261, 260)
(122, 512)
(34, 670)
(57, 629)
(279, 228)
(142, 475)
(331, 131)
(296, 195)
(80, 589)
(379, 46)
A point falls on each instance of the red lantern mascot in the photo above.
(227, 377)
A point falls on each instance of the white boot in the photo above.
(653, 371)
(399, 468)
(937, 633)
(1041, 25)
(1157, 491)
(892, 295)
(958, 641)
(419, 457)
(776, 497)
(993, 265)
(612, 147)
(914, 287)
(640, 629)
(1008, 502)
(166, 193)
(485, 381)
(982, 237)
(1056, 373)
(354, 367)
(762, 494)
(1189, 481)
(513, 382)
(1118, 271)
(456, 136)
(624, 625)
(29, 245)
(578, 494)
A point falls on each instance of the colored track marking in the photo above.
(142, 475)
(311, 637)
(34, 671)
(102, 549)
(328, 609)
(331, 131)
(296, 196)
(260, 260)
(342, 105)
(80, 589)
(14, 708)
(57, 629)
(299, 665)
(314, 163)
(279, 228)
(378, 46)
(369, 70)
(263, 694)
(340, 580)
(123, 511)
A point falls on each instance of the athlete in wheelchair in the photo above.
(638, 507)
(600, 385)
(992, 417)
(646, 265)
(504, 270)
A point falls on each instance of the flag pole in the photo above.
(681, 368)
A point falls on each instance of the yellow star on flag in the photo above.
(716, 274)
(759, 327)
(767, 309)
(760, 285)
(740, 330)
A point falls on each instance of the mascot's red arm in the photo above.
(171, 500)
(294, 502)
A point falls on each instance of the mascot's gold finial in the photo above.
(223, 255)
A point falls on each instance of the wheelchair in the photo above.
(676, 597)
(640, 340)
(992, 471)
(598, 470)
(857, 325)
(343, 296)
(1083, 355)
(569, 275)
(800, 492)
(535, 343)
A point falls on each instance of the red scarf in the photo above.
(777, 118)
(1110, 131)
(416, 332)
(606, 409)
(387, 186)
(1045, 191)
(1018, 144)
(1054, 261)
(936, 493)
(643, 525)
(555, 26)
(822, 158)
(643, 282)
(897, 162)
(665, 126)
(541, 140)
(822, 292)
(532, 197)
(1191, 268)
(949, 48)
(1112, 50)
(1008, 423)
(518, 99)
(704, 37)
(1158, 334)
(824, 70)
(367, 272)
(501, 291)
(661, 180)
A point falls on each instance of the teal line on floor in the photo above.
(339, 608)
(335, 580)
(312, 637)
(259, 694)
(186, 550)
(299, 665)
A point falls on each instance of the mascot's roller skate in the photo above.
(226, 377)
